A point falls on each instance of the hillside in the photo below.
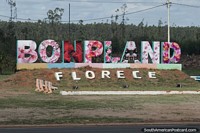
(166, 80)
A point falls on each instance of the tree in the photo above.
(124, 20)
(55, 16)
(124, 10)
(141, 24)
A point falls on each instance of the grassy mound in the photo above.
(166, 80)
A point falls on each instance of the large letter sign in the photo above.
(166, 52)
(43, 51)
(90, 53)
(29, 55)
(130, 53)
(75, 52)
(108, 53)
(147, 52)
(26, 51)
(81, 54)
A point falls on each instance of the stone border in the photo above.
(31, 66)
(70, 93)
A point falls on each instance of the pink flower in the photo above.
(108, 43)
(175, 45)
(131, 46)
(98, 51)
(43, 52)
(57, 54)
(166, 46)
(20, 53)
(32, 58)
(109, 51)
(115, 59)
(108, 59)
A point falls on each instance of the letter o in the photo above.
(43, 51)
(89, 75)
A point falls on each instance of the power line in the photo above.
(105, 2)
(4, 16)
(194, 6)
(144, 9)
(121, 14)
(108, 17)
(135, 11)
(27, 19)
(96, 18)
(20, 18)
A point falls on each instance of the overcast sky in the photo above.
(37, 9)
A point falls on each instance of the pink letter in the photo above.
(176, 56)
(26, 55)
(108, 53)
(43, 51)
(89, 52)
(147, 52)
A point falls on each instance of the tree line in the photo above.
(118, 33)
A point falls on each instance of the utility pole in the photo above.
(69, 21)
(12, 4)
(168, 21)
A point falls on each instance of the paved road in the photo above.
(101, 129)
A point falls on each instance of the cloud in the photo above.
(37, 9)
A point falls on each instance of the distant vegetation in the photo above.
(187, 37)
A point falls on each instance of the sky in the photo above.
(182, 12)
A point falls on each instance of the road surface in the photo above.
(104, 129)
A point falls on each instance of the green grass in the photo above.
(2, 77)
(57, 104)
(192, 72)
(73, 120)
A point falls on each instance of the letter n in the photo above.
(75, 53)
(147, 52)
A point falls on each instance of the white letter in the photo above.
(89, 75)
(105, 74)
(58, 75)
(74, 76)
(152, 75)
(120, 75)
(135, 75)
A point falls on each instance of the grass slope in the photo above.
(166, 80)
